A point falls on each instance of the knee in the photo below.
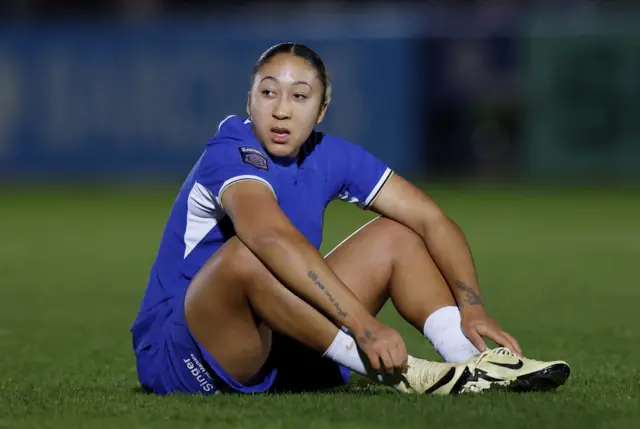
(396, 237)
(241, 261)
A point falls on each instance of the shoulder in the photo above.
(327, 146)
(233, 142)
(233, 130)
(233, 147)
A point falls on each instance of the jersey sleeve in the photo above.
(227, 162)
(363, 175)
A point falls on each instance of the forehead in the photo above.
(286, 68)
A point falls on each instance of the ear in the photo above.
(249, 103)
(323, 111)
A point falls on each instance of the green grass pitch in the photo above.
(557, 268)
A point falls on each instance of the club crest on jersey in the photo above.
(253, 156)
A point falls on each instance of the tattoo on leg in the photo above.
(314, 277)
(472, 296)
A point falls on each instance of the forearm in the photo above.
(301, 268)
(450, 251)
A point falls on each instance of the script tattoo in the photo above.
(471, 295)
(314, 277)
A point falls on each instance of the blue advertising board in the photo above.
(108, 99)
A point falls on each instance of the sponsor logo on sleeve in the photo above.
(253, 156)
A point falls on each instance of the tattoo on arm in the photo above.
(314, 278)
(472, 297)
(367, 337)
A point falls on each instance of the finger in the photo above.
(476, 340)
(494, 334)
(404, 355)
(504, 341)
(388, 361)
(374, 361)
(398, 357)
(517, 349)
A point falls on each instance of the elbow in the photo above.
(261, 238)
(437, 222)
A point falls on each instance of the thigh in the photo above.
(386, 259)
(175, 362)
(364, 260)
(228, 306)
(218, 316)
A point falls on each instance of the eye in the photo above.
(300, 96)
(267, 92)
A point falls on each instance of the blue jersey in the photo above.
(326, 169)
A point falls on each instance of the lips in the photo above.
(280, 134)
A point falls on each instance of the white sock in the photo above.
(344, 351)
(442, 329)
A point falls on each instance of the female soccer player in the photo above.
(240, 299)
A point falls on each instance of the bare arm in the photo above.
(403, 202)
(262, 226)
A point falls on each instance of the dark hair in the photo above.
(301, 51)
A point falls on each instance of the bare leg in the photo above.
(385, 259)
(234, 302)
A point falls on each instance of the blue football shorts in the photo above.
(175, 362)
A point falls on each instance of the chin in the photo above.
(281, 150)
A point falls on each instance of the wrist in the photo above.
(361, 323)
(471, 310)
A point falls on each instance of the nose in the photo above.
(282, 109)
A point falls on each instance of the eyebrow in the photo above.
(298, 82)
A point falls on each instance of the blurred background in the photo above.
(538, 91)
(520, 118)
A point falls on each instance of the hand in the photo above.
(477, 324)
(383, 346)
